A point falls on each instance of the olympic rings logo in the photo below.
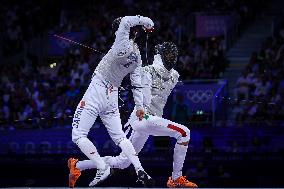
(199, 96)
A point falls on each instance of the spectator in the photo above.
(261, 83)
(43, 90)
(180, 112)
(243, 86)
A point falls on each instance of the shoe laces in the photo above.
(182, 180)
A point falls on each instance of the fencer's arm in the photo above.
(130, 21)
(147, 85)
(176, 80)
(177, 76)
(136, 83)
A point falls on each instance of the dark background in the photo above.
(238, 144)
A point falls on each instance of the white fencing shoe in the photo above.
(146, 180)
(101, 176)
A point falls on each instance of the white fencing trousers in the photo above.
(101, 98)
(153, 125)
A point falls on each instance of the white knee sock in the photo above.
(179, 156)
(85, 164)
(89, 149)
(113, 162)
(128, 149)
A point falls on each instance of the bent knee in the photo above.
(184, 137)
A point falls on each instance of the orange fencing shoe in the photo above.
(180, 182)
(74, 172)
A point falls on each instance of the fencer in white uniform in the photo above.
(101, 99)
(158, 80)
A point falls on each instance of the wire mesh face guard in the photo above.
(169, 53)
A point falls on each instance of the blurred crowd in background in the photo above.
(260, 88)
(38, 92)
(29, 88)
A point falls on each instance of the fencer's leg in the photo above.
(119, 162)
(138, 140)
(86, 164)
(182, 134)
(163, 127)
(179, 157)
(83, 120)
(114, 127)
(113, 124)
(81, 126)
(158, 126)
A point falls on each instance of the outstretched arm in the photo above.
(147, 86)
(136, 83)
(130, 21)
